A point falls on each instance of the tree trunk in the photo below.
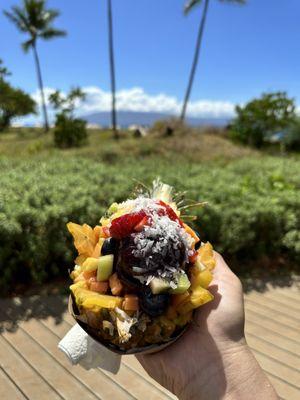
(40, 82)
(112, 70)
(195, 60)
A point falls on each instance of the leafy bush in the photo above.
(69, 132)
(254, 208)
(292, 137)
(260, 118)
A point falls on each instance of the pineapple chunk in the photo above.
(93, 300)
(200, 278)
(200, 296)
(206, 256)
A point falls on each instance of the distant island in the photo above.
(127, 118)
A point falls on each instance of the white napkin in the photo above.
(81, 349)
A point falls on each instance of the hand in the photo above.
(212, 360)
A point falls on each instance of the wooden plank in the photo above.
(25, 377)
(132, 362)
(94, 380)
(274, 305)
(284, 390)
(58, 377)
(292, 304)
(126, 376)
(269, 349)
(8, 390)
(289, 294)
(278, 369)
(272, 324)
(269, 313)
(283, 342)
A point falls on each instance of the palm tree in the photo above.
(112, 69)
(190, 4)
(34, 19)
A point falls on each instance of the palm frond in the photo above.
(26, 46)
(51, 33)
(190, 4)
(17, 17)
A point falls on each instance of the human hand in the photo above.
(212, 360)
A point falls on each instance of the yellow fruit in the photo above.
(84, 237)
(90, 264)
(78, 285)
(200, 296)
(200, 278)
(80, 259)
(184, 318)
(192, 233)
(93, 300)
(206, 256)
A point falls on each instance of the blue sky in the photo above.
(246, 50)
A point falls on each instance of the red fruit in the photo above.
(193, 257)
(140, 226)
(124, 225)
(167, 210)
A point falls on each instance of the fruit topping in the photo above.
(110, 246)
(153, 304)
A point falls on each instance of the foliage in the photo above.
(254, 207)
(292, 138)
(69, 131)
(36, 20)
(260, 118)
(4, 72)
(190, 4)
(13, 103)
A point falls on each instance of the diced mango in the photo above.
(80, 259)
(96, 252)
(80, 284)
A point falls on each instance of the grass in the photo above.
(195, 147)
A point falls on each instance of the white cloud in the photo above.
(136, 99)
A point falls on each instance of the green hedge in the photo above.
(254, 207)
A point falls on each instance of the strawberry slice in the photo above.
(125, 225)
(167, 210)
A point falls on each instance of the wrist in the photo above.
(232, 374)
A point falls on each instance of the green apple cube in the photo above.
(105, 267)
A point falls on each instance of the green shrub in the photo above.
(254, 208)
(69, 132)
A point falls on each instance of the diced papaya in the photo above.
(130, 303)
(115, 284)
(178, 299)
(99, 287)
(89, 274)
(200, 278)
(206, 256)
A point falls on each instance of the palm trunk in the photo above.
(112, 70)
(195, 60)
(40, 82)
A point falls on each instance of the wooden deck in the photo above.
(31, 366)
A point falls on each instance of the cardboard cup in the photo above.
(152, 348)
